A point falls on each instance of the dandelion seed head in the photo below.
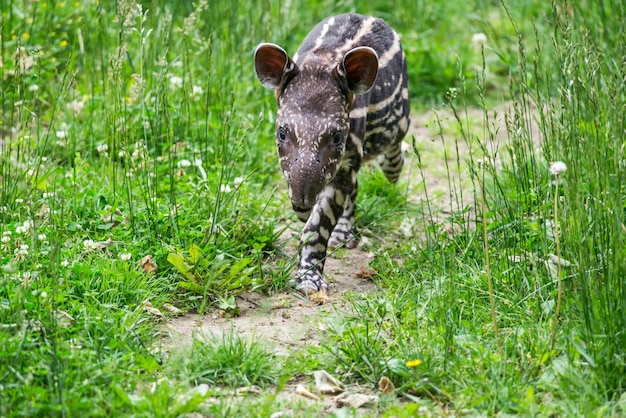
(479, 38)
(557, 168)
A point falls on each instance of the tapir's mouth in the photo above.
(300, 209)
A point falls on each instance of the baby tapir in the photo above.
(342, 100)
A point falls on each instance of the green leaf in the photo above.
(178, 261)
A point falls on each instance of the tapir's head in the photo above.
(313, 118)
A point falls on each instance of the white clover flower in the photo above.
(61, 134)
(89, 244)
(196, 92)
(33, 88)
(43, 294)
(48, 195)
(176, 82)
(5, 239)
(557, 168)
(225, 188)
(42, 237)
(76, 106)
(24, 228)
(125, 256)
(21, 252)
(184, 164)
(238, 181)
(65, 263)
(102, 148)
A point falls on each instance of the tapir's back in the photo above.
(381, 116)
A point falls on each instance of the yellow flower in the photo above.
(26, 36)
(413, 363)
(63, 43)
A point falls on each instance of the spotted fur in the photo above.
(342, 100)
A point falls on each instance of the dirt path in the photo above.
(284, 321)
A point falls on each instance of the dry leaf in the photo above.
(365, 272)
(556, 260)
(115, 217)
(254, 389)
(64, 319)
(148, 264)
(147, 306)
(385, 385)
(91, 245)
(325, 383)
(172, 309)
(354, 400)
(300, 390)
(319, 298)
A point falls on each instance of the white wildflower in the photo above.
(196, 92)
(176, 82)
(5, 239)
(76, 106)
(89, 244)
(125, 256)
(184, 164)
(61, 134)
(21, 252)
(48, 195)
(24, 228)
(33, 88)
(102, 148)
(65, 263)
(238, 181)
(43, 294)
(42, 237)
(557, 167)
(452, 93)
(225, 188)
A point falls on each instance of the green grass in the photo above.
(128, 132)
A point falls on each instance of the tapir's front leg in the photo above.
(314, 240)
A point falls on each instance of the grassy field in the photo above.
(139, 181)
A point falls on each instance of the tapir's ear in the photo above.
(360, 68)
(273, 65)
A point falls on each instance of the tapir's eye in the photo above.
(281, 135)
(338, 138)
